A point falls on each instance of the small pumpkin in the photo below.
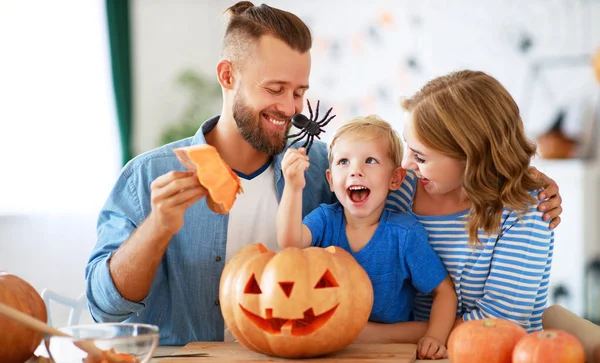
(17, 343)
(222, 183)
(296, 303)
(549, 346)
(490, 340)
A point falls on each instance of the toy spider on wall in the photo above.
(310, 127)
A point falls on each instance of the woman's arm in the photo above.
(520, 268)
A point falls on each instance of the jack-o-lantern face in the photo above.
(297, 303)
(304, 326)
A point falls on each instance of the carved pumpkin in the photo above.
(489, 340)
(17, 343)
(222, 183)
(549, 346)
(295, 303)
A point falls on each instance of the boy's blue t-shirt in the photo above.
(398, 258)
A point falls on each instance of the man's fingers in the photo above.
(194, 199)
(555, 222)
(165, 179)
(187, 195)
(552, 213)
(550, 190)
(177, 185)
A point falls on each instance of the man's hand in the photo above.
(294, 164)
(171, 195)
(551, 207)
(431, 348)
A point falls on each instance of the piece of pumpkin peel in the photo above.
(222, 183)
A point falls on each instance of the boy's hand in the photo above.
(431, 348)
(295, 162)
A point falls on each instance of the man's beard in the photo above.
(252, 130)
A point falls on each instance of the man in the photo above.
(160, 249)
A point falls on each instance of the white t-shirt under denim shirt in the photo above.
(255, 207)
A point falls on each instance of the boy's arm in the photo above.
(290, 230)
(443, 311)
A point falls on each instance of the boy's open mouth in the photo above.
(358, 193)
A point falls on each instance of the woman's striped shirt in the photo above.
(506, 277)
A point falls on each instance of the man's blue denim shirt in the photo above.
(183, 300)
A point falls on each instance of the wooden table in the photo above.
(234, 352)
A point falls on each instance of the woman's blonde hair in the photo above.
(469, 116)
(368, 128)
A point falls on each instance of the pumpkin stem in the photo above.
(547, 335)
(489, 323)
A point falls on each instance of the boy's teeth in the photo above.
(357, 188)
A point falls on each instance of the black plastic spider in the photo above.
(310, 127)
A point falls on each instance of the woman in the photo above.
(470, 184)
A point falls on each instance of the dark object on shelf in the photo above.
(592, 291)
(561, 296)
(554, 144)
(310, 127)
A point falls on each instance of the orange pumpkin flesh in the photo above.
(222, 183)
(488, 340)
(296, 303)
(549, 346)
(17, 343)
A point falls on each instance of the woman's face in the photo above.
(439, 174)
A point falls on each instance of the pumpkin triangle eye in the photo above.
(327, 280)
(252, 286)
(287, 288)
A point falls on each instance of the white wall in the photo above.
(59, 148)
(49, 251)
(168, 37)
(359, 58)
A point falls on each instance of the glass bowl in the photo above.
(137, 340)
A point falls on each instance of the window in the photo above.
(59, 142)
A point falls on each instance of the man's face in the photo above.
(269, 92)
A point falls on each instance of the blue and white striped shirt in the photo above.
(507, 277)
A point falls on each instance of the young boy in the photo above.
(364, 158)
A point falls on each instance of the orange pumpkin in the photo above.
(549, 346)
(17, 343)
(296, 303)
(489, 340)
(596, 64)
(222, 183)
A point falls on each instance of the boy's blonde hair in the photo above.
(368, 128)
(469, 116)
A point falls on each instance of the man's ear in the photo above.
(397, 178)
(328, 175)
(225, 74)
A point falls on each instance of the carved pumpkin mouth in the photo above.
(295, 327)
